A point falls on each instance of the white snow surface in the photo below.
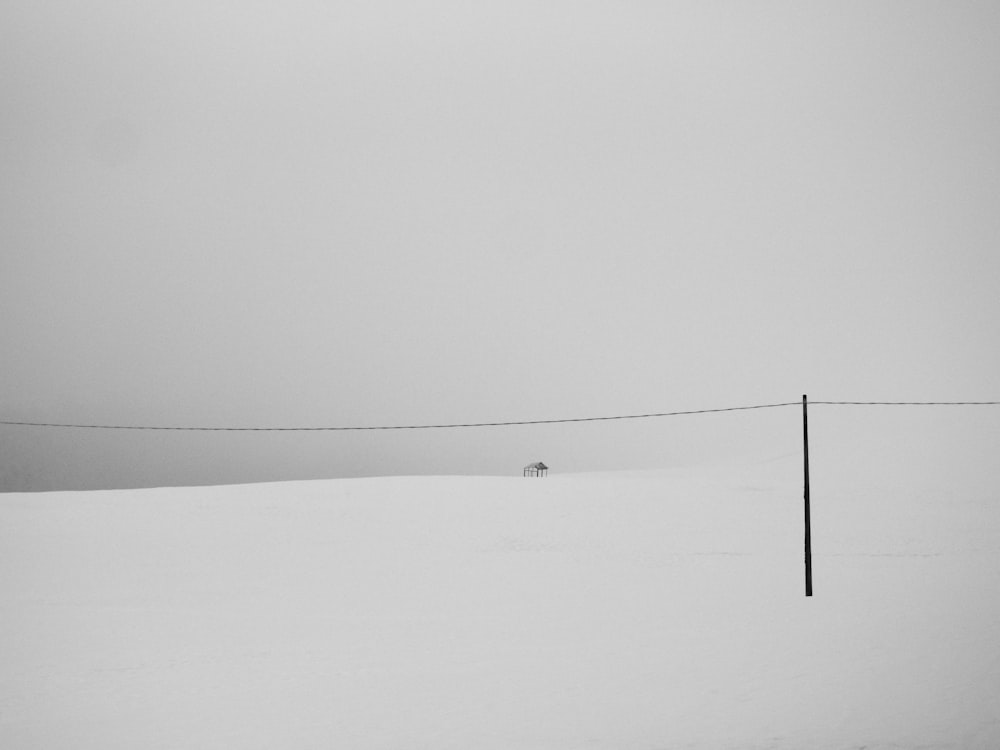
(647, 610)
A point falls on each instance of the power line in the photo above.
(492, 424)
(908, 403)
(393, 427)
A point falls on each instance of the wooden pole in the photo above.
(805, 442)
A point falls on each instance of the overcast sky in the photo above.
(366, 213)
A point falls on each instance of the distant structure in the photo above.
(536, 470)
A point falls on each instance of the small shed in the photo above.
(536, 470)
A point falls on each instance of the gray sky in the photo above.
(328, 213)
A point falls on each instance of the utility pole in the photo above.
(805, 442)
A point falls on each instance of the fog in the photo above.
(385, 213)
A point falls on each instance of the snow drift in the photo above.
(621, 610)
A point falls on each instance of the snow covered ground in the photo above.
(621, 610)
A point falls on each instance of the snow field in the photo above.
(620, 610)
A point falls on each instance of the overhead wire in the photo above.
(394, 427)
(907, 403)
(509, 423)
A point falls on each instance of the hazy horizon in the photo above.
(401, 213)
